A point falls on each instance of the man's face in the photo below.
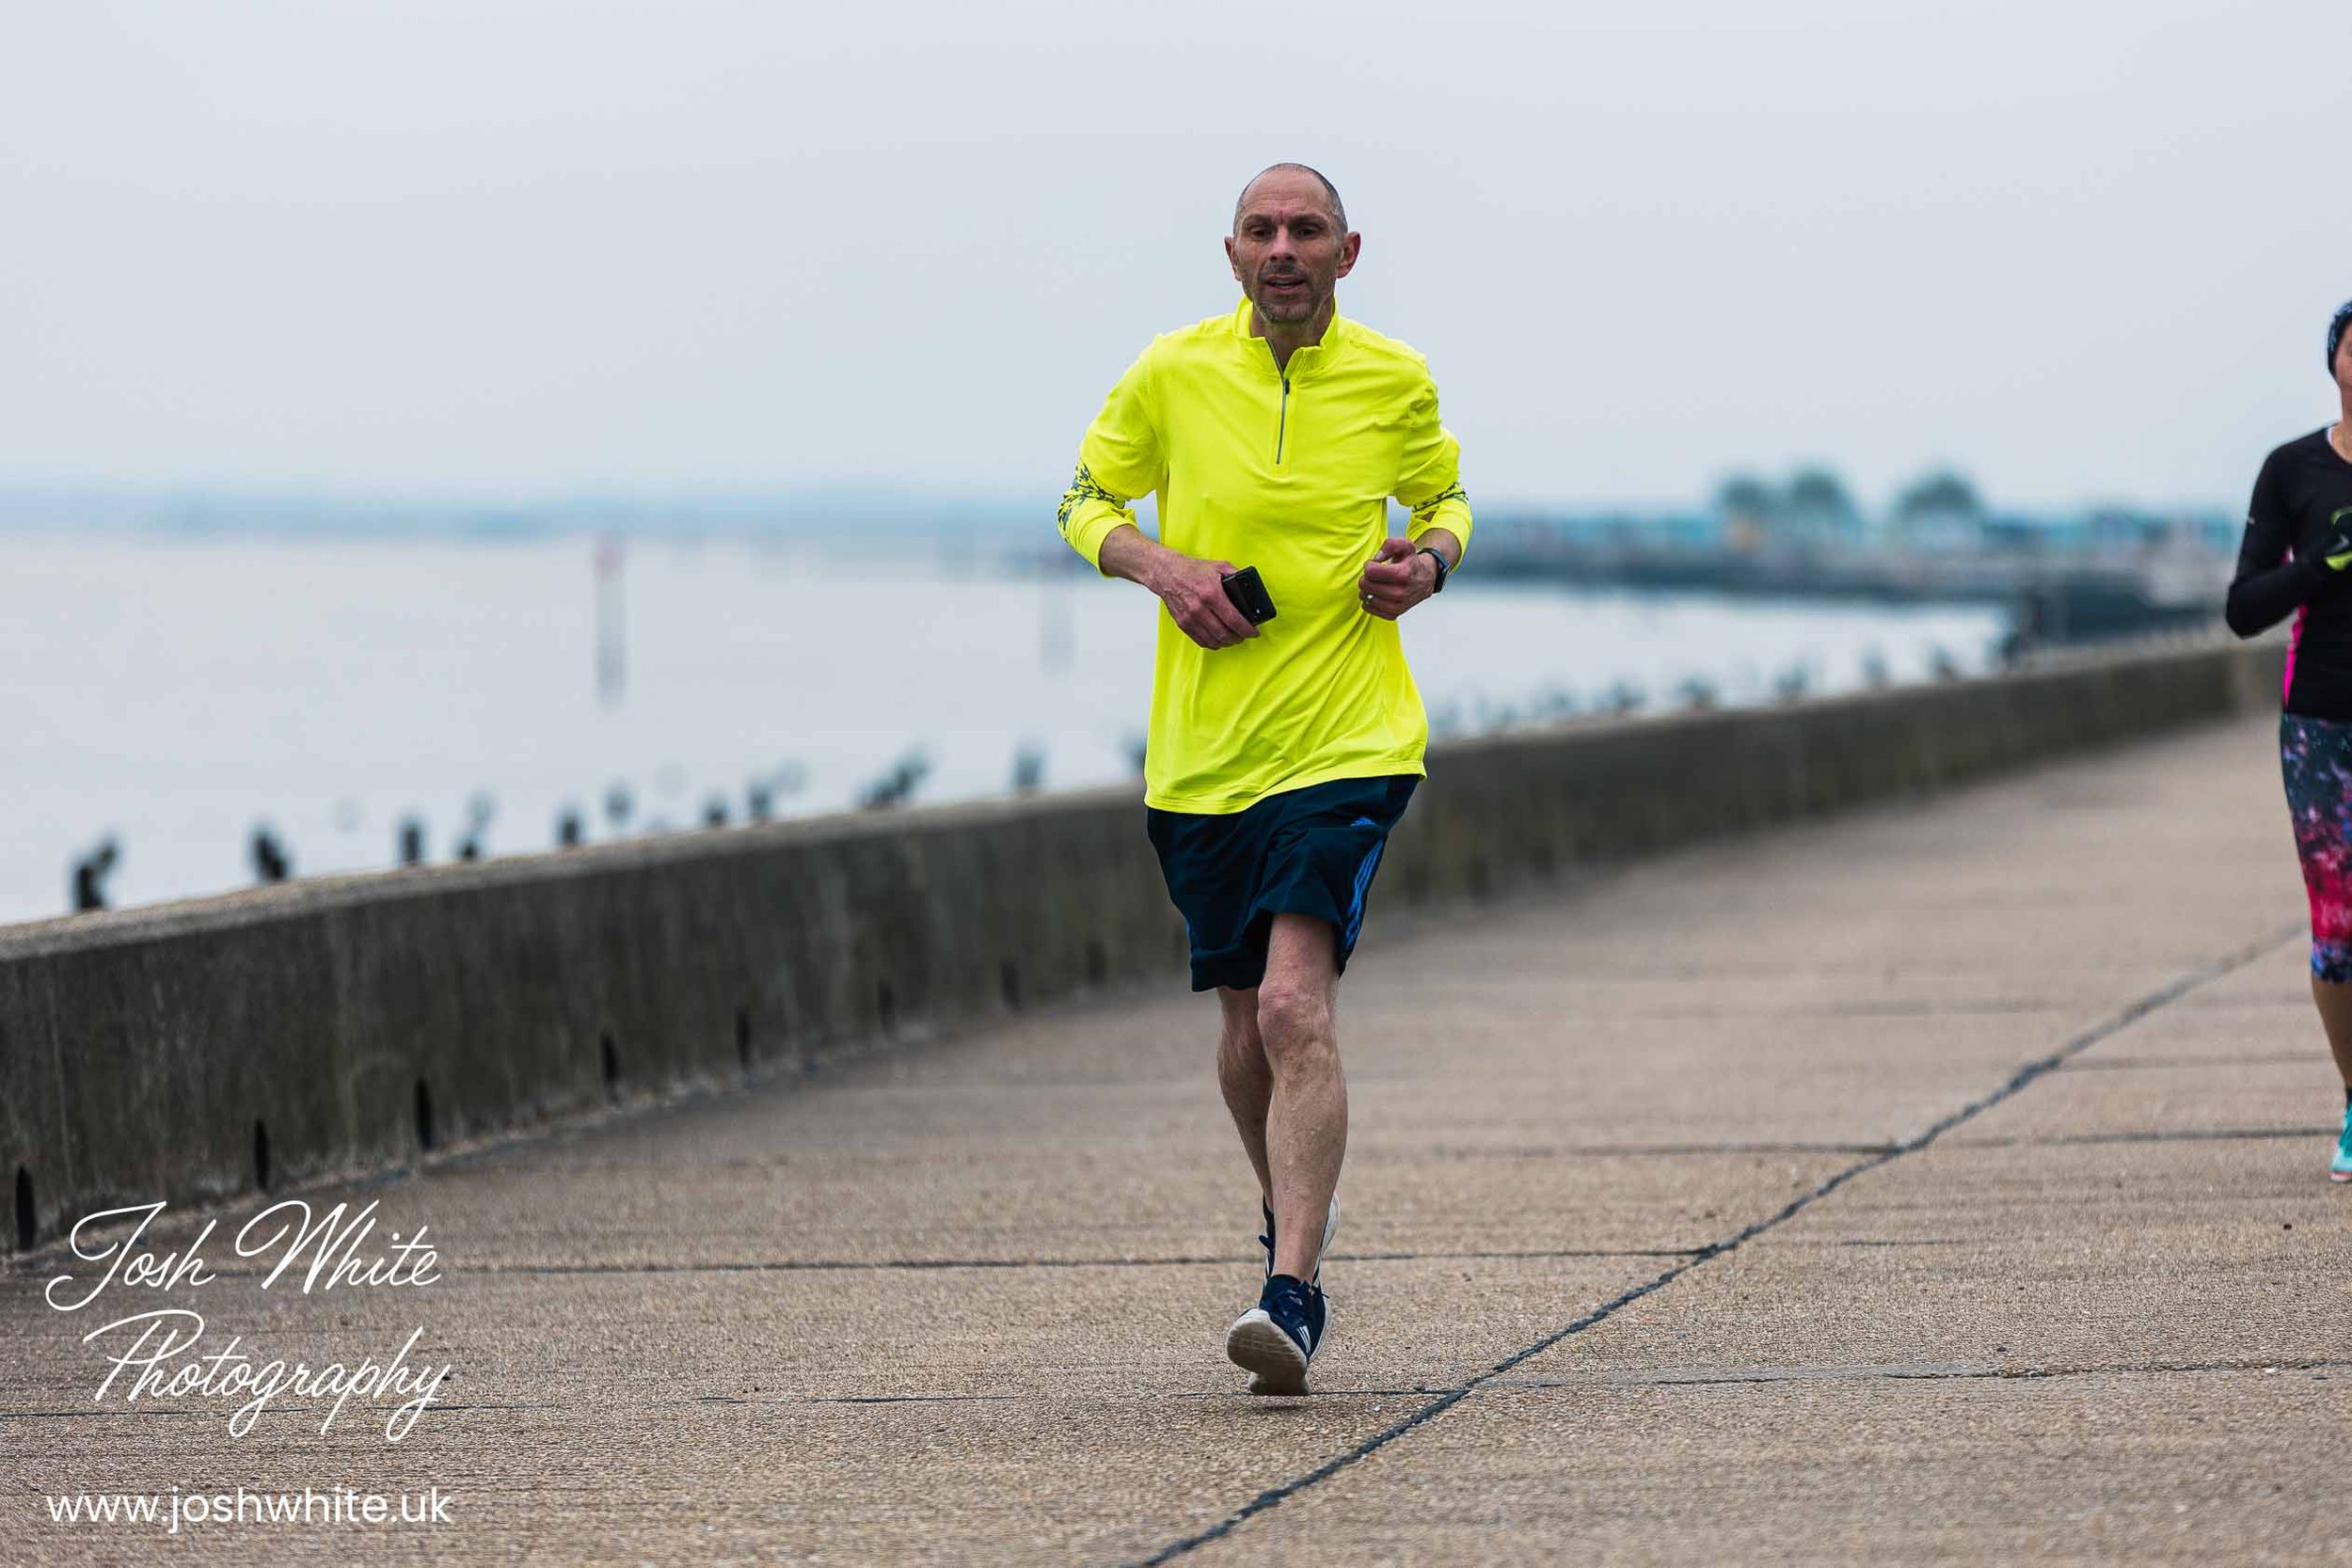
(1288, 252)
(2344, 363)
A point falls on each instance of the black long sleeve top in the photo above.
(2303, 488)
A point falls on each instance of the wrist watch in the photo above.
(1442, 567)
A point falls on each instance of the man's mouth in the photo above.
(1285, 282)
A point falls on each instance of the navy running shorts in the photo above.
(1304, 851)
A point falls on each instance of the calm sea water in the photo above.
(174, 696)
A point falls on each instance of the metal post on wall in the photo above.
(611, 648)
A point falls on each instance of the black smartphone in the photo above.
(1248, 595)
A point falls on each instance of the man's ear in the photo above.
(1349, 248)
(1233, 259)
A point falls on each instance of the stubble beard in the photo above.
(1302, 307)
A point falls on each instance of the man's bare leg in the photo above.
(1245, 1078)
(1306, 1119)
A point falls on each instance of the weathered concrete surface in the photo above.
(2047, 1334)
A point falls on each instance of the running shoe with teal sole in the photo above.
(2340, 1168)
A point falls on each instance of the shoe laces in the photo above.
(1287, 1295)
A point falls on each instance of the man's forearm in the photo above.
(1442, 541)
(1129, 552)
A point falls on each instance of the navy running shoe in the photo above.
(1277, 1338)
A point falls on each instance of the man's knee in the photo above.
(1293, 1020)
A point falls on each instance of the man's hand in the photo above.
(1193, 591)
(1396, 579)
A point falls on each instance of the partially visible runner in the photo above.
(1279, 754)
(2299, 544)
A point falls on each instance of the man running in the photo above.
(1281, 753)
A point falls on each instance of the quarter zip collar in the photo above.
(1307, 362)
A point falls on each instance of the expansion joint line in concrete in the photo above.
(2169, 1135)
(828, 1265)
(1866, 1372)
(2129, 1014)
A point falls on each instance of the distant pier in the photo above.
(2054, 598)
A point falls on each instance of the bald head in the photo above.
(1330, 192)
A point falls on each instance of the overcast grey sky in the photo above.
(2086, 251)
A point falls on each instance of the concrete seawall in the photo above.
(205, 1049)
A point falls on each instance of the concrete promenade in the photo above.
(1941, 1184)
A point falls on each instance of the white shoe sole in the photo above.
(1256, 1345)
(2340, 1175)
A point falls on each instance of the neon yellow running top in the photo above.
(1291, 474)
